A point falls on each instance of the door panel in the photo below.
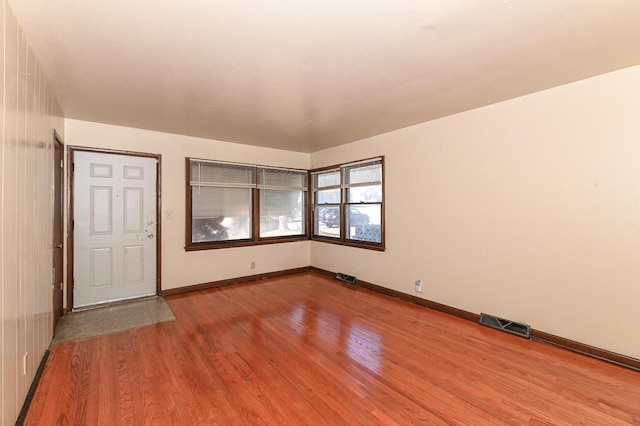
(133, 264)
(114, 227)
(133, 210)
(100, 210)
(101, 266)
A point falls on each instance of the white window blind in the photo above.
(273, 178)
(208, 173)
(362, 174)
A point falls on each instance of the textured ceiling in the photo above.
(306, 75)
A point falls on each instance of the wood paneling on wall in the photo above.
(29, 114)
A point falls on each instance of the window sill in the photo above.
(356, 244)
(243, 243)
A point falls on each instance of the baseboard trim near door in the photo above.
(230, 281)
(536, 335)
(32, 390)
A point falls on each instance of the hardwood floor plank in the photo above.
(126, 396)
(305, 349)
(109, 388)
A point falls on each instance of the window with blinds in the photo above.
(348, 203)
(231, 203)
(282, 196)
(221, 201)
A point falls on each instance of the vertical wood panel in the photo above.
(32, 203)
(9, 235)
(26, 215)
(2, 296)
(42, 189)
(24, 249)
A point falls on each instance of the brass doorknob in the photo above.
(149, 235)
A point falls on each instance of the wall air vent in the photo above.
(522, 330)
(350, 279)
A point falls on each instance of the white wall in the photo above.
(528, 209)
(181, 268)
(29, 114)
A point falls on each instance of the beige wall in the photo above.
(180, 268)
(528, 209)
(30, 114)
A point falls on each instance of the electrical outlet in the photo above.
(253, 265)
(418, 286)
(169, 214)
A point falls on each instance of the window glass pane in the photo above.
(220, 214)
(327, 221)
(281, 213)
(364, 174)
(364, 223)
(325, 179)
(328, 196)
(365, 194)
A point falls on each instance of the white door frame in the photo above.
(70, 223)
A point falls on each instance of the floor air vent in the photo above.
(512, 327)
(346, 278)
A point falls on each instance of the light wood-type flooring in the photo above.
(306, 349)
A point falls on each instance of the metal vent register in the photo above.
(350, 279)
(519, 329)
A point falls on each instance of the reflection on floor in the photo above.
(111, 319)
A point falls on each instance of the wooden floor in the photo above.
(305, 349)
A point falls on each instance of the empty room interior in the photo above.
(296, 212)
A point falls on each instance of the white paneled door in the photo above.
(114, 236)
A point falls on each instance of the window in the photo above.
(326, 189)
(354, 192)
(232, 204)
(282, 201)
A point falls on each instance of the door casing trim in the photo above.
(58, 143)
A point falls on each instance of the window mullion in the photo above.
(343, 212)
(255, 216)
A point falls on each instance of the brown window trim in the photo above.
(348, 243)
(243, 243)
